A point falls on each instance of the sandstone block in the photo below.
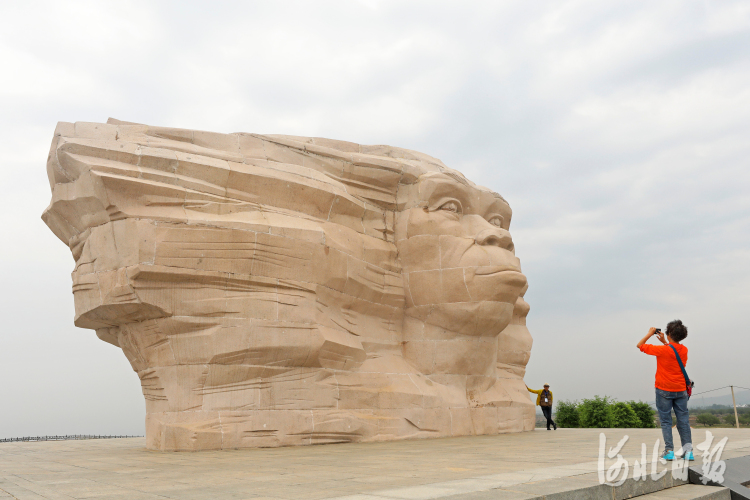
(281, 290)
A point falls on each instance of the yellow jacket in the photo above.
(539, 396)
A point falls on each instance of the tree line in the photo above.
(605, 412)
(717, 414)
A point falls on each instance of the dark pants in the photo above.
(547, 411)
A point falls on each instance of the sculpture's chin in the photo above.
(485, 319)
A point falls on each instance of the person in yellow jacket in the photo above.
(544, 399)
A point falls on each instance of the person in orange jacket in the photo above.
(671, 385)
(544, 399)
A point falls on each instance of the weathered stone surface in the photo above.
(278, 290)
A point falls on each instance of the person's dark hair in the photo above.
(676, 330)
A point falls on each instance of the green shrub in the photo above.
(566, 414)
(708, 419)
(729, 419)
(595, 413)
(623, 416)
(744, 418)
(645, 414)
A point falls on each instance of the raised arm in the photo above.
(651, 333)
(532, 390)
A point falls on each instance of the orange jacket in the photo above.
(668, 373)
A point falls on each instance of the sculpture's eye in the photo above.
(497, 221)
(451, 206)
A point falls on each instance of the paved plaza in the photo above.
(420, 469)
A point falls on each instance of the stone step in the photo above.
(504, 487)
(736, 477)
(690, 492)
(587, 486)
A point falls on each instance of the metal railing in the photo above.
(62, 438)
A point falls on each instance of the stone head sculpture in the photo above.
(277, 290)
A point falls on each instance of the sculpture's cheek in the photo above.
(419, 221)
(462, 252)
(458, 356)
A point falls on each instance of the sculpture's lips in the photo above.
(490, 270)
(501, 279)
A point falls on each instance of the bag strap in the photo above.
(682, 367)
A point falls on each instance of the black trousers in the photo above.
(547, 411)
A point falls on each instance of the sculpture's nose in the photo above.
(497, 237)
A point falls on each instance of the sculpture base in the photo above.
(209, 430)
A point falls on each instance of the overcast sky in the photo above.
(618, 131)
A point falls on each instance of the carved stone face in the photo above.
(274, 290)
(457, 254)
(460, 272)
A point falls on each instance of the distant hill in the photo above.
(723, 397)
